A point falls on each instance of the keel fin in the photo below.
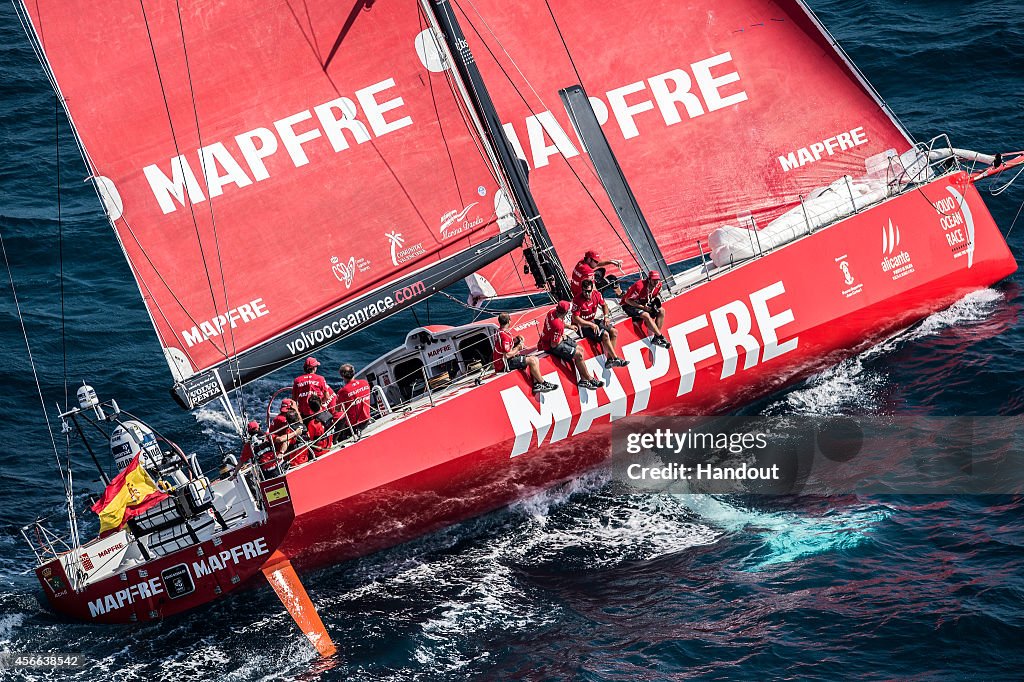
(281, 576)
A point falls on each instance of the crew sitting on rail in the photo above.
(508, 356)
(642, 304)
(308, 383)
(287, 430)
(596, 329)
(554, 340)
(259, 447)
(353, 406)
(320, 439)
(590, 267)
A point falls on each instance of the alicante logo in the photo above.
(896, 262)
(345, 272)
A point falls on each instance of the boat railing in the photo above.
(44, 543)
(936, 158)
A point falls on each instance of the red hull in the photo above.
(461, 458)
(744, 333)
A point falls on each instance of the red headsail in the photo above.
(713, 109)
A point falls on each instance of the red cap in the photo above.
(310, 363)
(592, 255)
(286, 403)
(563, 307)
(254, 426)
(654, 275)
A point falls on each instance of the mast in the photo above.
(645, 246)
(543, 255)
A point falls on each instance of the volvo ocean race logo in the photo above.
(895, 262)
(957, 223)
(401, 253)
(454, 222)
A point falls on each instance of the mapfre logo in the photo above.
(895, 261)
(456, 222)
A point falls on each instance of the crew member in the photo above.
(554, 340)
(287, 429)
(353, 404)
(508, 355)
(642, 304)
(587, 269)
(593, 328)
(320, 440)
(259, 447)
(308, 383)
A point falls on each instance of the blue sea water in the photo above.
(581, 582)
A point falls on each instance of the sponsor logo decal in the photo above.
(350, 321)
(957, 224)
(723, 334)
(895, 261)
(399, 252)
(87, 561)
(454, 223)
(243, 314)
(345, 272)
(435, 352)
(818, 150)
(853, 287)
(174, 581)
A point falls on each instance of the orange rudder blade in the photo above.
(289, 589)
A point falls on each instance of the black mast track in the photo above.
(514, 169)
(613, 180)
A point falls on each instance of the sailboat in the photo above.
(281, 176)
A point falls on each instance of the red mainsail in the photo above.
(271, 163)
(713, 108)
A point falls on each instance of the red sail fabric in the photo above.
(334, 160)
(713, 108)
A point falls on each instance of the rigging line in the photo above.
(565, 46)
(440, 126)
(60, 245)
(72, 520)
(213, 218)
(1015, 219)
(35, 373)
(167, 286)
(530, 108)
(177, 151)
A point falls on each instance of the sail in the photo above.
(279, 174)
(714, 109)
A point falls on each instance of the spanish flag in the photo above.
(128, 495)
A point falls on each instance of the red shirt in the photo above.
(640, 292)
(279, 426)
(266, 453)
(586, 308)
(354, 399)
(553, 332)
(503, 343)
(581, 272)
(315, 429)
(304, 386)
